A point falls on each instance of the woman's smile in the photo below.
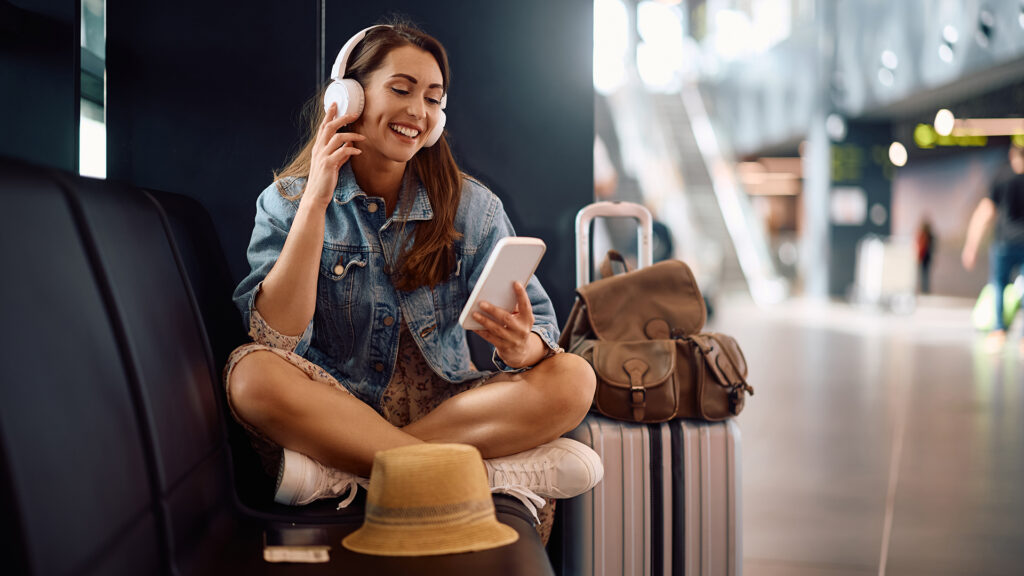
(406, 132)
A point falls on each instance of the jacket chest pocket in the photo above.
(344, 282)
(340, 273)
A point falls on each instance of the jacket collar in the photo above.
(348, 189)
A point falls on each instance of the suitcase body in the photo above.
(669, 502)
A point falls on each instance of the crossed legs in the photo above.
(511, 413)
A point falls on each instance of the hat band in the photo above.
(462, 512)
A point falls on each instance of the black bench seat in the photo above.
(118, 455)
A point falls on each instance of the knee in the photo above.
(574, 380)
(250, 390)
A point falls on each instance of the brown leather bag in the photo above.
(641, 333)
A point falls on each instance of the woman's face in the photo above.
(403, 103)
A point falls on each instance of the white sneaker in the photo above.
(563, 468)
(301, 480)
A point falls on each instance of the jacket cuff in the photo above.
(262, 332)
(545, 336)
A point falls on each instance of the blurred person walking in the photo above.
(925, 245)
(1005, 205)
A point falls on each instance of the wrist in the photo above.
(314, 204)
(538, 351)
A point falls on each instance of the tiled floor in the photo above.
(878, 444)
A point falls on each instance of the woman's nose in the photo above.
(417, 110)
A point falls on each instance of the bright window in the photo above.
(92, 135)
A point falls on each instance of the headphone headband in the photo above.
(341, 62)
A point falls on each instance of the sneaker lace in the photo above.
(519, 479)
(524, 495)
(338, 482)
(532, 473)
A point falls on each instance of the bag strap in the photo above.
(606, 265)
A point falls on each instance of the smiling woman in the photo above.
(365, 249)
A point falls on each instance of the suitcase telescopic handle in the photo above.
(586, 215)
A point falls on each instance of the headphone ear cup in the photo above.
(435, 134)
(347, 94)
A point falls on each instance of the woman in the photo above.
(364, 251)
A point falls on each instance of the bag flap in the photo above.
(665, 291)
(651, 361)
(724, 358)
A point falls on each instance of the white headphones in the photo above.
(348, 94)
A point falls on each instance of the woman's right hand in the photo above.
(330, 151)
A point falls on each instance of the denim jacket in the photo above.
(355, 327)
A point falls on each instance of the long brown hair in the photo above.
(430, 257)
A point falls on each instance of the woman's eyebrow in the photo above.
(413, 80)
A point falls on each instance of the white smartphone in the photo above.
(514, 259)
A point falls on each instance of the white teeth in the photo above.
(411, 133)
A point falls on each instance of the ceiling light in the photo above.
(945, 53)
(897, 154)
(835, 127)
(889, 59)
(944, 122)
(949, 34)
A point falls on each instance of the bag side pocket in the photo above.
(724, 390)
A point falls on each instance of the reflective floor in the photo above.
(879, 444)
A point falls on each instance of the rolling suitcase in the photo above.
(669, 502)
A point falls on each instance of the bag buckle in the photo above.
(736, 401)
(639, 394)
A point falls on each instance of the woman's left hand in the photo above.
(511, 333)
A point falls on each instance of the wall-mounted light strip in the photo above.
(988, 126)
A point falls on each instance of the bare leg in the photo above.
(327, 424)
(514, 412)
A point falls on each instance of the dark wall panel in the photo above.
(203, 99)
(520, 109)
(39, 42)
(861, 161)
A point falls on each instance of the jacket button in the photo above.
(379, 366)
(338, 269)
(372, 207)
(389, 321)
(426, 331)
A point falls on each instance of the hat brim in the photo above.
(431, 540)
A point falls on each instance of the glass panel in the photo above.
(92, 143)
(92, 150)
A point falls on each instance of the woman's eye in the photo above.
(400, 91)
(434, 101)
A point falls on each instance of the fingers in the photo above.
(332, 147)
(341, 155)
(494, 329)
(332, 122)
(341, 139)
(523, 306)
(509, 327)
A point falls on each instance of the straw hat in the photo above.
(429, 499)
